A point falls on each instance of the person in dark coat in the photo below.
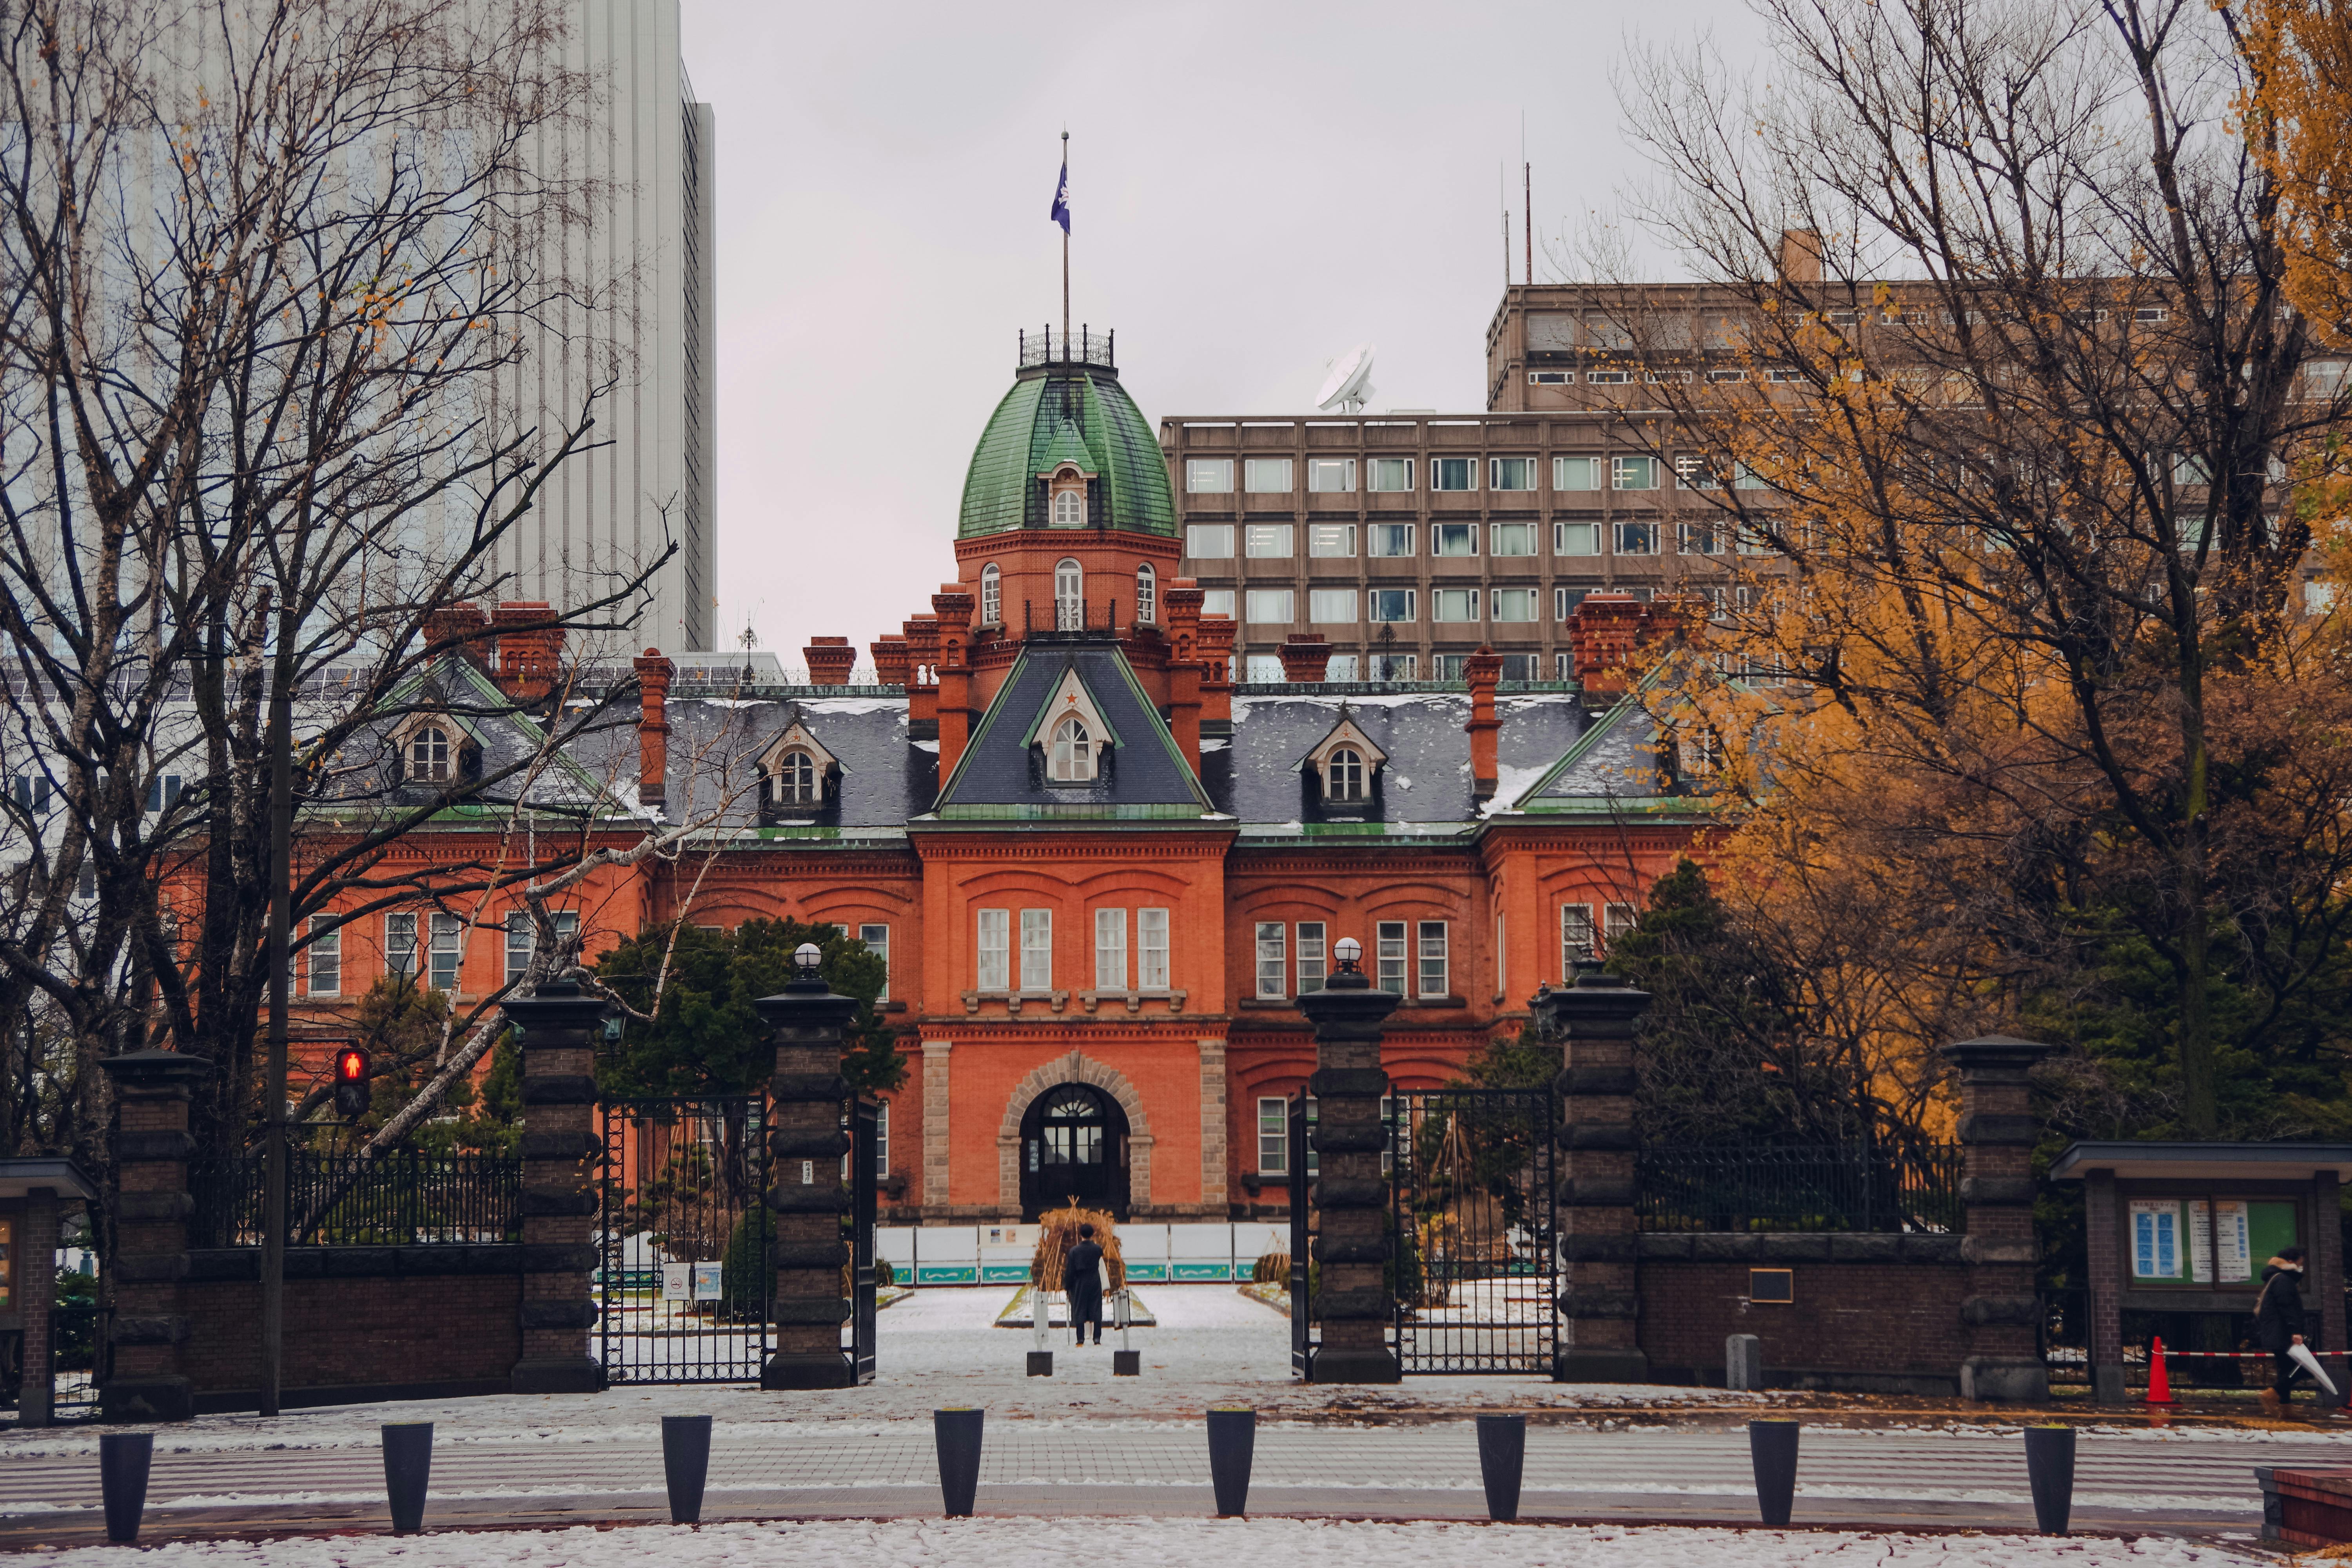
(1082, 1283)
(2278, 1319)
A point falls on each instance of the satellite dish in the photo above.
(1349, 384)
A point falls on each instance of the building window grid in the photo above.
(876, 938)
(1147, 594)
(1434, 979)
(1273, 1136)
(1617, 920)
(1151, 936)
(1272, 961)
(448, 951)
(399, 945)
(326, 951)
(995, 956)
(1313, 956)
(1389, 956)
(992, 595)
(1110, 950)
(1575, 938)
(1036, 950)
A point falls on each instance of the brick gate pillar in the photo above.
(151, 1209)
(1997, 1132)
(560, 1024)
(806, 1139)
(2104, 1306)
(1600, 1300)
(1353, 1245)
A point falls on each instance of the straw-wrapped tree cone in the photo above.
(1058, 1232)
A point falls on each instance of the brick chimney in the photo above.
(1183, 598)
(922, 672)
(654, 673)
(830, 660)
(1216, 657)
(448, 625)
(531, 647)
(1482, 669)
(954, 605)
(1603, 632)
(1305, 656)
(892, 657)
(1801, 256)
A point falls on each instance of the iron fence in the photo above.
(1798, 1188)
(405, 1198)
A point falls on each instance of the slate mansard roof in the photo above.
(1000, 774)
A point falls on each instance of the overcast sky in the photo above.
(1256, 188)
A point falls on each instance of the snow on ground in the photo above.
(1158, 1543)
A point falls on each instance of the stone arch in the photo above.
(1076, 1066)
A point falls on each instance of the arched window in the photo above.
(1069, 597)
(1147, 594)
(428, 755)
(1343, 775)
(992, 595)
(1071, 760)
(795, 780)
(1070, 509)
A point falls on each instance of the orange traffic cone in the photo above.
(2160, 1387)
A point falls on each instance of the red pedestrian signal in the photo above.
(351, 1092)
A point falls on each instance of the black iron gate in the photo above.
(685, 1272)
(865, 1117)
(1472, 1174)
(1303, 1337)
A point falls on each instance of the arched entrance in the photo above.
(1074, 1144)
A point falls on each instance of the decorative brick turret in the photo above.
(892, 659)
(1182, 597)
(654, 675)
(830, 660)
(1600, 1305)
(1305, 657)
(922, 678)
(1604, 634)
(808, 1198)
(559, 1027)
(152, 1206)
(1216, 660)
(1482, 671)
(461, 628)
(530, 648)
(1356, 1303)
(1997, 1131)
(952, 603)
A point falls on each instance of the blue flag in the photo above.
(1061, 212)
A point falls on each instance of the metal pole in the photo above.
(1066, 252)
(1527, 179)
(281, 911)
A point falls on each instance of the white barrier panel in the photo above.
(1155, 1252)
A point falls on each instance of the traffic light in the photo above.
(351, 1067)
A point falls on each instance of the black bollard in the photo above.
(2050, 1470)
(1772, 1447)
(1502, 1460)
(1233, 1440)
(1126, 1364)
(407, 1467)
(122, 1461)
(686, 1465)
(957, 1434)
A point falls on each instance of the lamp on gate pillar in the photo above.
(808, 1198)
(1353, 1242)
(1593, 1020)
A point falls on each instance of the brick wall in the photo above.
(1883, 1324)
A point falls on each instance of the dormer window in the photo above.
(1070, 735)
(795, 781)
(428, 755)
(796, 773)
(1343, 774)
(1344, 762)
(1071, 760)
(1070, 509)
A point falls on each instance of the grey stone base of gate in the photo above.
(821, 1370)
(559, 1374)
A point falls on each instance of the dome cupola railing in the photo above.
(1082, 347)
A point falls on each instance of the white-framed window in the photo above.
(1698, 539)
(1069, 596)
(1446, 666)
(1575, 938)
(1266, 475)
(1217, 602)
(1453, 604)
(876, 940)
(1331, 606)
(1453, 473)
(1435, 979)
(162, 792)
(1510, 539)
(1341, 668)
(428, 755)
(992, 595)
(1209, 540)
(1632, 473)
(1071, 757)
(399, 945)
(882, 1139)
(1151, 953)
(1389, 605)
(1726, 376)
(1273, 1136)
(1389, 956)
(1564, 602)
(1209, 476)
(1036, 950)
(1343, 774)
(1576, 473)
(1147, 594)
(1617, 920)
(1550, 377)
(1331, 541)
(795, 781)
(1331, 476)
(1515, 603)
(1522, 667)
(1576, 539)
(1563, 663)
(1608, 377)
(1267, 541)
(31, 790)
(1110, 950)
(1272, 965)
(1390, 665)
(1510, 473)
(1695, 473)
(1388, 474)
(1637, 539)
(1271, 606)
(521, 937)
(1313, 956)
(1070, 509)
(1502, 979)
(1388, 539)
(995, 950)
(1453, 539)
(1263, 668)
(326, 954)
(448, 954)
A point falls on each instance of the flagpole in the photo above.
(1066, 251)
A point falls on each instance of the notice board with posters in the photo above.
(2214, 1241)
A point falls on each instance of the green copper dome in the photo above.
(1078, 413)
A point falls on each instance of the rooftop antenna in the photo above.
(1349, 384)
(1504, 201)
(1527, 188)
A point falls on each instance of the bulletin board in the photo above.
(2216, 1242)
